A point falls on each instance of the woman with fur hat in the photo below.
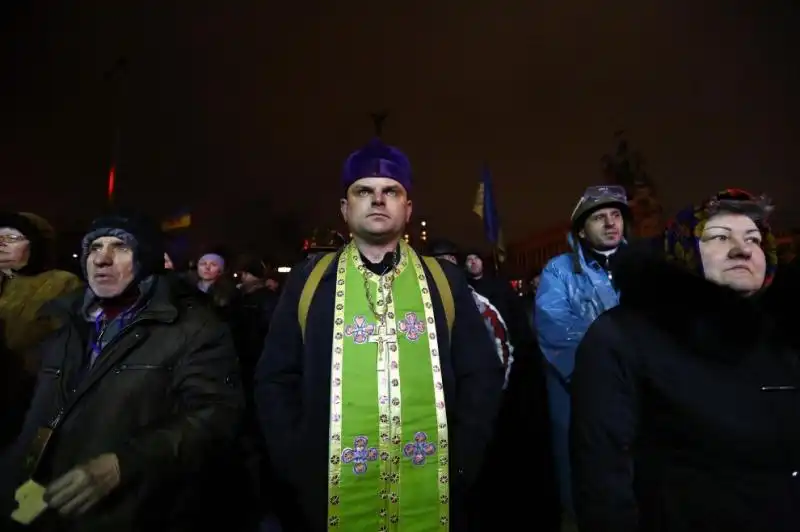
(27, 282)
(686, 403)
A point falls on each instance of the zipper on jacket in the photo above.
(785, 388)
(122, 332)
(56, 420)
(124, 367)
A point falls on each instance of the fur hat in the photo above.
(40, 234)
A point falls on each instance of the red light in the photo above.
(306, 245)
(111, 183)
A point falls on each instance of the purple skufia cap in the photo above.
(376, 159)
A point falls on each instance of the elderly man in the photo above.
(136, 397)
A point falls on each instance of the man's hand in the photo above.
(84, 486)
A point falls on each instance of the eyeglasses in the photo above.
(12, 239)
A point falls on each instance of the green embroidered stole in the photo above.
(388, 429)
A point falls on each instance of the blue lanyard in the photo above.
(99, 329)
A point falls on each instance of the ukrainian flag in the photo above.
(486, 208)
(180, 221)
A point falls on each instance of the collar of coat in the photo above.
(167, 295)
(708, 319)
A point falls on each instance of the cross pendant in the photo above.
(384, 340)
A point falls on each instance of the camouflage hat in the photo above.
(596, 197)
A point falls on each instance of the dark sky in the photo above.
(232, 108)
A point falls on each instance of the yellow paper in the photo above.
(30, 502)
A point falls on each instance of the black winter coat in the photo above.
(523, 429)
(686, 407)
(164, 396)
(293, 392)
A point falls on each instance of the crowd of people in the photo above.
(644, 389)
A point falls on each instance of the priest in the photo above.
(378, 386)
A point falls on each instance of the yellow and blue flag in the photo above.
(486, 208)
(178, 221)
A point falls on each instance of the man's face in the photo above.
(603, 229)
(474, 265)
(376, 208)
(15, 248)
(168, 265)
(109, 266)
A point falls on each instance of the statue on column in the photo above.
(625, 167)
(378, 119)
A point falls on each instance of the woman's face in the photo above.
(14, 249)
(209, 269)
(730, 248)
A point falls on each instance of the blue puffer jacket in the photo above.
(566, 305)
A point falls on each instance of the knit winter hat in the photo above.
(139, 232)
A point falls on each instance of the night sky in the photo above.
(238, 109)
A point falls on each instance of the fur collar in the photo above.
(706, 318)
